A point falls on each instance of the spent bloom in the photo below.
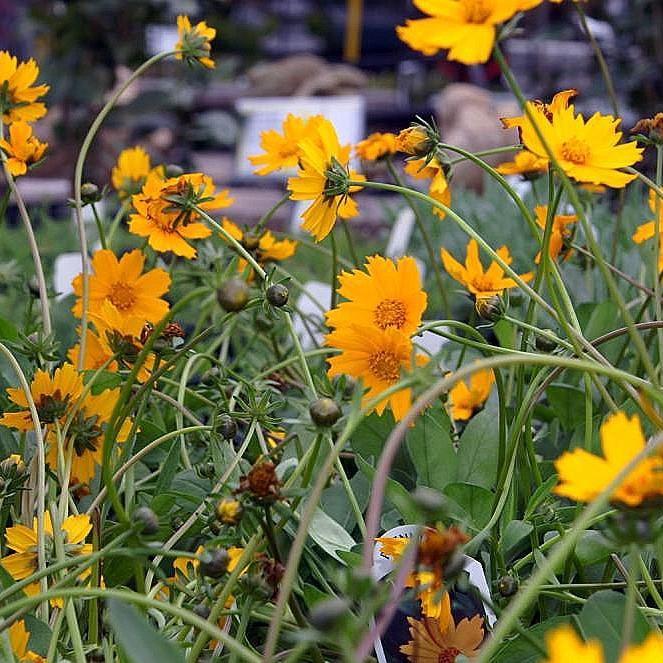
(18, 94)
(194, 43)
(22, 149)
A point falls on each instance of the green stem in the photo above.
(657, 253)
(100, 226)
(334, 271)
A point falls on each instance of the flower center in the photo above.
(385, 365)
(576, 151)
(448, 655)
(50, 407)
(477, 11)
(390, 313)
(122, 296)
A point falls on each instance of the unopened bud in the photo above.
(147, 520)
(325, 412)
(277, 295)
(214, 563)
(233, 295)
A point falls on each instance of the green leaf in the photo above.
(514, 533)
(168, 469)
(568, 404)
(602, 618)
(8, 331)
(523, 651)
(329, 535)
(593, 548)
(40, 635)
(477, 453)
(431, 450)
(139, 640)
(476, 503)
(540, 495)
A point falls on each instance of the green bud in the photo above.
(277, 295)
(233, 295)
(325, 412)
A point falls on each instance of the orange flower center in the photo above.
(385, 365)
(122, 296)
(390, 313)
(477, 11)
(576, 151)
(448, 655)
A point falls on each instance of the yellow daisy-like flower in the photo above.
(466, 398)
(650, 651)
(53, 397)
(23, 541)
(524, 163)
(479, 282)
(135, 294)
(583, 476)
(22, 148)
(647, 230)
(377, 357)
(439, 186)
(131, 170)
(18, 96)
(564, 644)
(282, 150)
(466, 28)
(377, 146)
(194, 43)
(387, 295)
(320, 154)
(560, 231)
(19, 638)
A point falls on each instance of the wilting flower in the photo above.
(18, 97)
(377, 357)
(132, 168)
(122, 282)
(432, 170)
(282, 150)
(19, 638)
(524, 163)
(22, 148)
(466, 28)
(648, 230)
(376, 146)
(651, 127)
(261, 482)
(560, 234)
(165, 211)
(322, 178)
(194, 43)
(583, 475)
(54, 396)
(481, 283)
(466, 398)
(387, 295)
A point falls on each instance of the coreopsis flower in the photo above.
(647, 230)
(481, 283)
(131, 170)
(53, 395)
(18, 95)
(22, 149)
(23, 562)
(166, 214)
(560, 234)
(651, 127)
(282, 150)
(433, 170)
(466, 28)
(377, 357)
(417, 140)
(194, 43)
(97, 354)
(650, 651)
(558, 103)
(376, 146)
(583, 475)
(388, 295)
(19, 638)
(524, 163)
(135, 294)
(322, 178)
(468, 397)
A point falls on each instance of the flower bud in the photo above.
(233, 295)
(415, 141)
(229, 511)
(173, 170)
(507, 586)
(147, 520)
(90, 193)
(277, 295)
(490, 308)
(13, 463)
(324, 412)
(226, 426)
(214, 563)
(250, 241)
(544, 343)
(202, 610)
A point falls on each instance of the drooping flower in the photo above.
(583, 475)
(22, 148)
(479, 282)
(282, 150)
(524, 163)
(417, 140)
(647, 230)
(387, 295)
(560, 234)
(376, 146)
(323, 171)
(54, 396)
(377, 357)
(135, 294)
(466, 28)
(19, 637)
(18, 96)
(131, 170)
(652, 127)
(194, 43)
(432, 170)
(466, 399)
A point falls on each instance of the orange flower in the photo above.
(194, 43)
(466, 398)
(18, 97)
(376, 146)
(22, 148)
(439, 186)
(560, 231)
(524, 163)
(647, 230)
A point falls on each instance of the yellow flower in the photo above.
(415, 141)
(386, 295)
(466, 28)
(560, 231)
(376, 146)
(23, 541)
(22, 148)
(524, 163)
(194, 42)
(482, 284)
(648, 230)
(19, 637)
(282, 150)
(650, 651)
(167, 226)
(18, 97)
(433, 171)
(96, 353)
(320, 154)
(376, 356)
(583, 476)
(53, 397)
(564, 644)
(132, 168)
(467, 399)
(135, 294)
